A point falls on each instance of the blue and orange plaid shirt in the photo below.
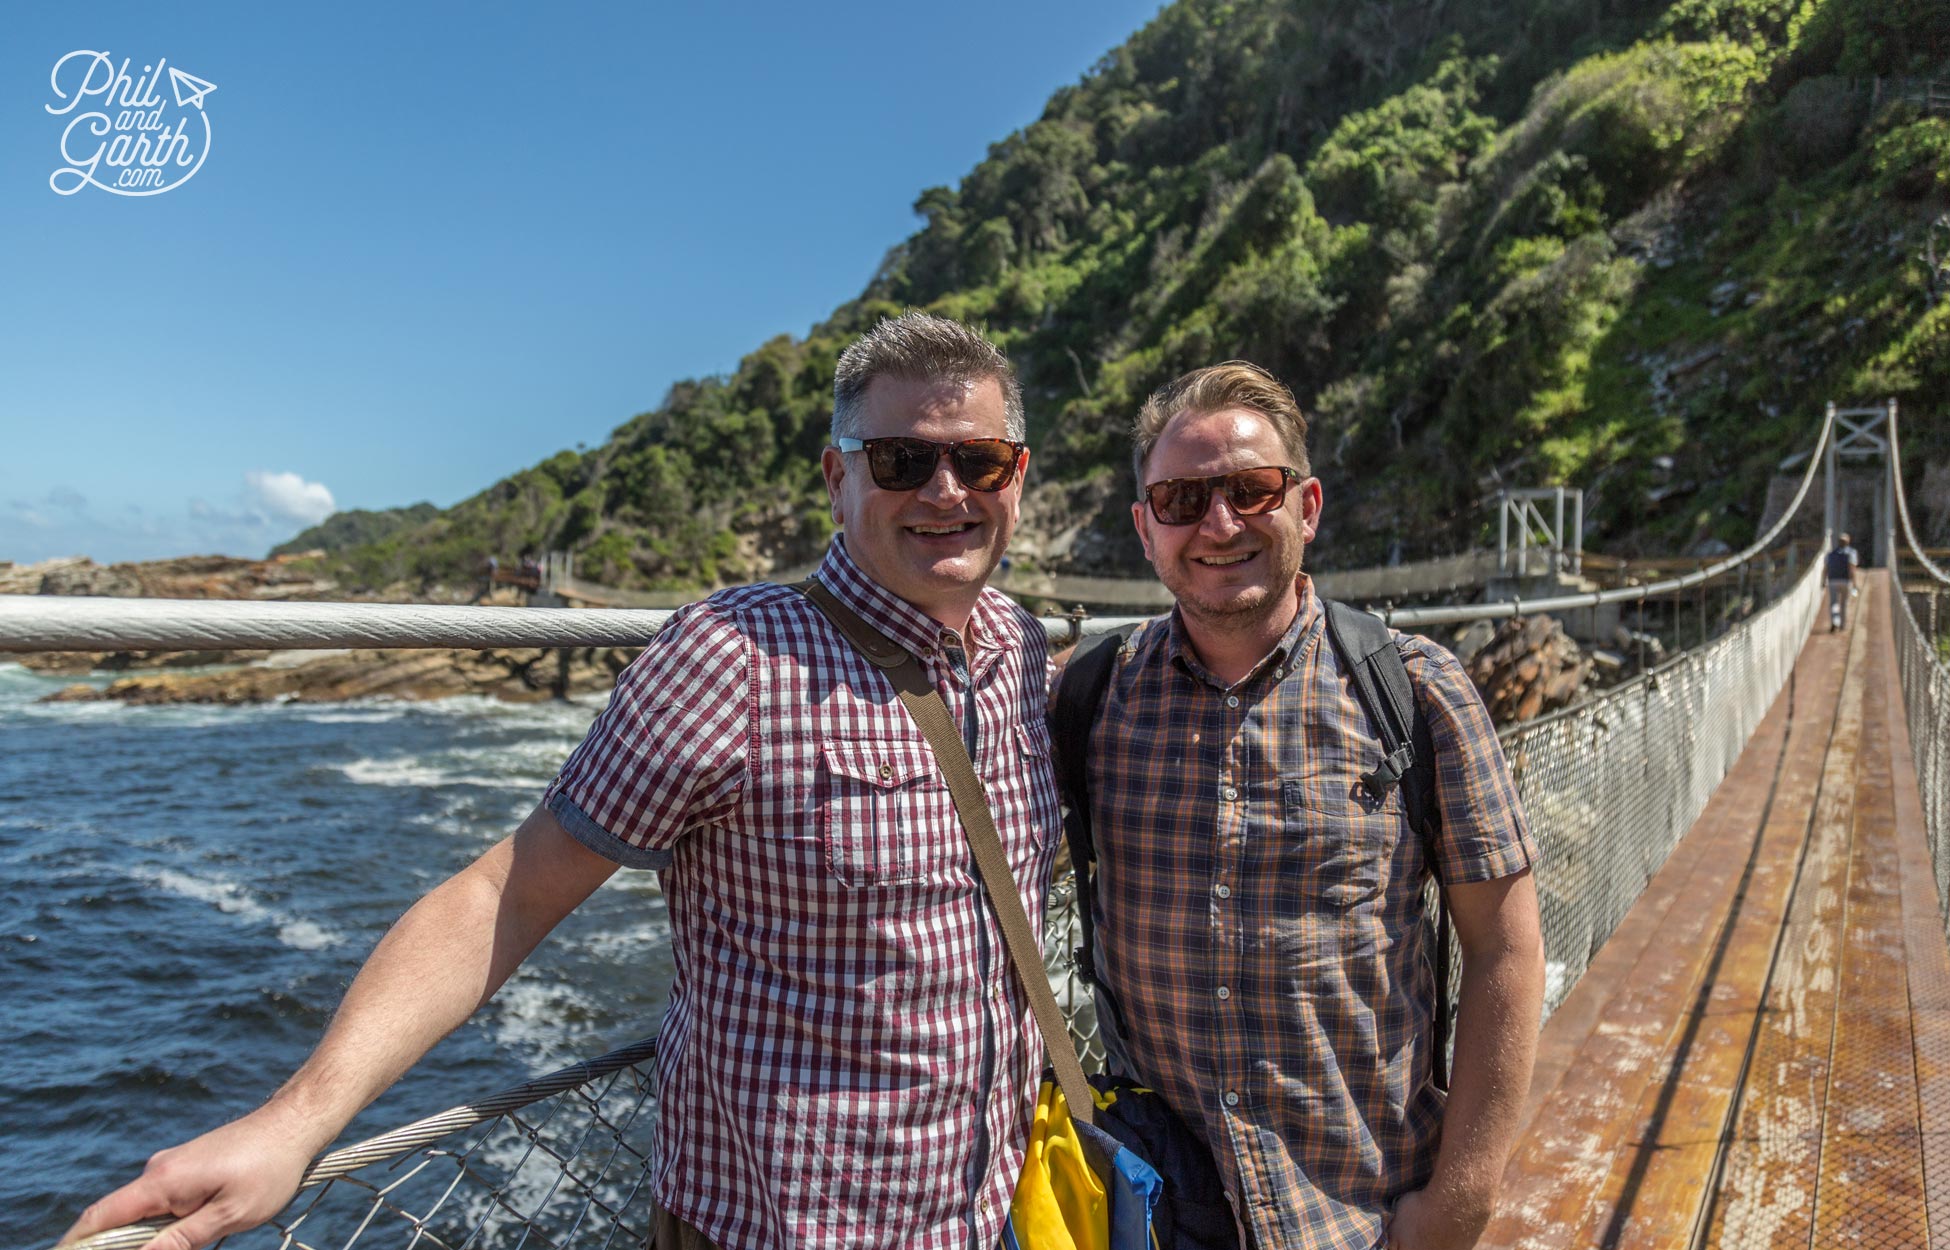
(1260, 918)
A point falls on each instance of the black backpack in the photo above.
(1367, 651)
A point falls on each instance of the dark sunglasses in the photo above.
(1248, 492)
(984, 464)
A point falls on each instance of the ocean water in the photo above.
(185, 892)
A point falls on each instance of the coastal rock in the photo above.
(516, 676)
(190, 577)
(62, 663)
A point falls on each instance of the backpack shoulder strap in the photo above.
(1373, 660)
(1369, 653)
(1079, 695)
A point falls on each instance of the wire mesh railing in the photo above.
(1612, 785)
(1926, 702)
(1925, 679)
(560, 1160)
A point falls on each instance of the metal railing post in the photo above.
(1503, 534)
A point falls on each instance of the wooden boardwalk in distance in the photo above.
(1760, 1055)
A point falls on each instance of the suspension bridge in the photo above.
(1744, 874)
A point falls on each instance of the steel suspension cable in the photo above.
(1902, 504)
(1409, 617)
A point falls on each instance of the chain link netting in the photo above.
(1926, 700)
(1612, 785)
(559, 1161)
(1924, 675)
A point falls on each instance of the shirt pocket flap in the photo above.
(883, 765)
(1341, 793)
(1034, 739)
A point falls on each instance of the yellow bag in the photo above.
(1061, 1203)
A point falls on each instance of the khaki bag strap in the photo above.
(924, 704)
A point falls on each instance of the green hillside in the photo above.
(1493, 243)
(356, 528)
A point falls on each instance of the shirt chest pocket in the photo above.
(1338, 842)
(885, 816)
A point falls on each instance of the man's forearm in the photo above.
(444, 958)
(437, 964)
(1496, 1046)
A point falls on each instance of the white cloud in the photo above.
(266, 509)
(288, 497)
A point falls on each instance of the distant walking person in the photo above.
(1843, 570)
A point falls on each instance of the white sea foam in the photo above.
(233, 899)
(627, 943)
(543, 1017)
(412, 770)
(347, 713)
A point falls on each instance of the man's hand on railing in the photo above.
(230, 1179)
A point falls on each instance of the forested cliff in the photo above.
(1626, 246)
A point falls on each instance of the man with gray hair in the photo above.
(848, 1059)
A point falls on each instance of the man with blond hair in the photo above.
(848, 1060)
(1259, 917)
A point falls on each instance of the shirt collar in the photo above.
(1296, 638)
(992, 623)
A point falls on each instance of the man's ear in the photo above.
(1310, 501)
(832, 467)
(1138, 519)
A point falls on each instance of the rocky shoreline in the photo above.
(513, 676)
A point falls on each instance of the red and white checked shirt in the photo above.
(848, 1060)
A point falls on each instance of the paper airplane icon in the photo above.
(189, 89)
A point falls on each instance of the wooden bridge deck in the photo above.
(1760, 1056)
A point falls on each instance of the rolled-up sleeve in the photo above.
(1484, 832)
(669, 752)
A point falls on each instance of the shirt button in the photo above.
(1222, 890)
(1228, 793)
(885, 772)
(1232, 1098)
(985, 1204)
(1224, 993)
(1232, 700)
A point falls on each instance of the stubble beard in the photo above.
(1239, 613)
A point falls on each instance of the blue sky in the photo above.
(432, 244)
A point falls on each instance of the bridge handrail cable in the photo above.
(1457, 614)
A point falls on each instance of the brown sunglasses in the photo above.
(1248, 492)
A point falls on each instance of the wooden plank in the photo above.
(1871, 1192)
(1715, 1049)
(1625, 1021)
(1768, 1199)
